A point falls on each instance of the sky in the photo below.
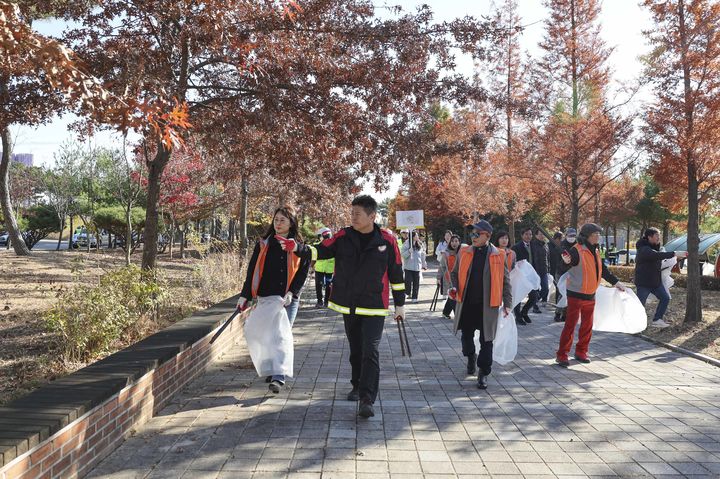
(622, 24)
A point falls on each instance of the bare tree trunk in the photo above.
(183, 235)
(16, 239)
(627, 242)
(155, 171)
(70, 236)
(173, 225)
(128, 233)
(243, 213)
(62, 228)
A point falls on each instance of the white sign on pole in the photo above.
(410, 219)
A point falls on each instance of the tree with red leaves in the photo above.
(581, 133)
(682, 124)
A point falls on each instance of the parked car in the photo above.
(4, 238)
(80, 240)
(622, 256)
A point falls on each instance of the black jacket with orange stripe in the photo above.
(363, 277)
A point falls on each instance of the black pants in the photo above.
(412, 283)
(364, 334)
(467, 330)
(449, 306)
(532, 301)
(322, 282)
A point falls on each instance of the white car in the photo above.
(81, 241)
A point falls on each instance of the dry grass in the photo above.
(702, 337)
(31, 285)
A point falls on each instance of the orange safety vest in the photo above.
(451, 259)
(510, 259)
(585, 277)
(293, 265)
(497, 273)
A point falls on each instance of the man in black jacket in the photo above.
(648, 277)
(367, 267)
(523, 251)
(540, 255)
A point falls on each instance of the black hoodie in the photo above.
(647, 264)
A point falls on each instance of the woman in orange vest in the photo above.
(447, 263)
(273, 272)
(586, 270)
(502, 240)
(481, 286)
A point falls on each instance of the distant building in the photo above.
(24, 158)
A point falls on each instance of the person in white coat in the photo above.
(413, 255)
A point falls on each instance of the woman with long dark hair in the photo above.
(274, 272)
(502, 241)
(447, 263)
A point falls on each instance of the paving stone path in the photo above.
(636, 411)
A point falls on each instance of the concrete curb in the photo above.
(678, 349)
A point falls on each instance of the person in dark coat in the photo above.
(540, 263)
(648, 279)
(562, 268)
(523, 251)
(368, 269)
(481, 285)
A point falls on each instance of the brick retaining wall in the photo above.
(66, 427)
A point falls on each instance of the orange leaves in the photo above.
(291, 9)
(169, 126)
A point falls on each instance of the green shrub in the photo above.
(626, 274)
(89, 320)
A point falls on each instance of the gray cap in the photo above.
(571, 232)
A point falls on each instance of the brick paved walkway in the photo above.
(636, 411)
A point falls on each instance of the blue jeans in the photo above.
(660, 293)
(291, 310)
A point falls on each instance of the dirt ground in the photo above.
(701, 337)
(30, 285)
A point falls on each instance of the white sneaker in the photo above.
(414, 300)
(660, 324)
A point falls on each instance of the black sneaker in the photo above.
(275, 386)
(482, 381)
(526, 318)
(559, 319)
(366, 409)
(354, 395)
(562, 363)
(471, 360)
(319, 304)
(519, 321)
(582, 360)
(268, 379)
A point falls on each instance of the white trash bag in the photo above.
(562, 288)
(269, 337)
(665, 270)
(618, 311)
(523, 279)
(551, 286)
(506, 339)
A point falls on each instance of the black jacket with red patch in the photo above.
(363, 276)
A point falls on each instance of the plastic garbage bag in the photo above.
(551, 286)
(506, 339)
(269, 337)
(523, 279)
(562, 288)
(618, 311)
(665, 270)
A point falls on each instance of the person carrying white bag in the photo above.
(583, 280)
(481, 286)
(275, 278)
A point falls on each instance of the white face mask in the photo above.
(570, 239)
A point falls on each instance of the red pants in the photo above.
(577, 309)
